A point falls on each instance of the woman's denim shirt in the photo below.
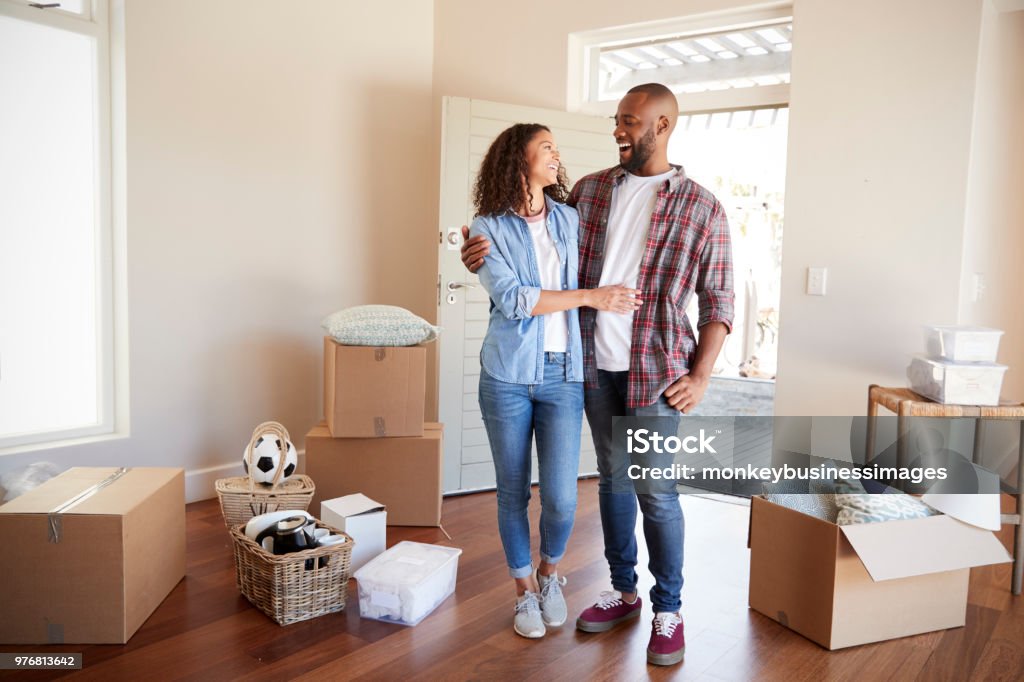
(513, 349)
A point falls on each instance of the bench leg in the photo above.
(1018, 536)
(869, 436)
(979, 440)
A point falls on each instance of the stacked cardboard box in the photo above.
(374, 439)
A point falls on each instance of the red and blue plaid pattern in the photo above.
(688, 251)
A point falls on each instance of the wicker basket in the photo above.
(297, 586)
(241, 498)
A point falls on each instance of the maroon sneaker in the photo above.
(609, 611)
(667, 643)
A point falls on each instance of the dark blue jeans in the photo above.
(663, 516)
(514, 415)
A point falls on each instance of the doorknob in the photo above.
(452, 286)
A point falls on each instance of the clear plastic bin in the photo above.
(956, 384)
(405, 583)
(963, 344)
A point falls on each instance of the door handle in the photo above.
(452, 286)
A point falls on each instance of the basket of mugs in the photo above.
(270, 483)
(291, 566)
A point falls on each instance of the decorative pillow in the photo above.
(867, 508)
(815, 500)
(378, 325)
(867, 485)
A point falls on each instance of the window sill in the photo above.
(63, 443)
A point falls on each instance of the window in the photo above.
(56, 254)
(717, 62)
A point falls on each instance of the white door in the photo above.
(468, 128)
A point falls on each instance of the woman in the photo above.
(532, 357)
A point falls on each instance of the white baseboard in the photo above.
(200, 484)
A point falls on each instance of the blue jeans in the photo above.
(663, 516)
(512, 413)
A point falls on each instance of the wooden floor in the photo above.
(206, 631)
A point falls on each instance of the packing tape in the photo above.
(379, 427)
(379, 354)
(54, 633)
(56, 527)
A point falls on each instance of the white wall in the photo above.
(278, 169)
(994, 225)
(880, 132)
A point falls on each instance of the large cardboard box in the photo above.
(404, 474)
(95, 571)
(374, 392)
(841, 586)
(362, 518)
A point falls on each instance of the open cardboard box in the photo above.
(841, 586)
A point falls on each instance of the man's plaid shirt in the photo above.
(688, 250)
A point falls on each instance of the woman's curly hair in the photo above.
(499, 184)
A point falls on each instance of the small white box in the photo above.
(962, 343)
(956, 384)
(362, 518)
(404, 584)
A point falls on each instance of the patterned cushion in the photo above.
(378, 325)
(814, 499)
(867, 508)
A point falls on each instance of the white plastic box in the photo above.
(962, 343)
(956, 384)
(405, 583)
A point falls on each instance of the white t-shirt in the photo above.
(629, 218)
(556, 325)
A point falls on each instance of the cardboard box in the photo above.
(402, 473)
(94, 572)
(374, 392)
(841, 586)
(362, 518)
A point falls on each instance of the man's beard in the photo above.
(642, 151)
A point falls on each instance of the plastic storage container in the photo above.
(957, 384)
(963, 344)
(405, 583)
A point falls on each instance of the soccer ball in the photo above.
(266, 453)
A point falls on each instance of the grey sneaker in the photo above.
(552, 601)
(528, 622)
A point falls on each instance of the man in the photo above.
(645, 225)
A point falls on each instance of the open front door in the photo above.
(469, 127)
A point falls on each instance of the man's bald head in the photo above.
(662, 101)
(644, 121)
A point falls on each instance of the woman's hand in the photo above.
(613, 298)
(474, 250)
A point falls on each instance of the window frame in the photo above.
(585, 50)
(101, 20)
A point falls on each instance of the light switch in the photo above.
(816, 280)
(978, 290)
